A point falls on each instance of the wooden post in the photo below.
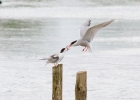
(81, 86)
(57, 82)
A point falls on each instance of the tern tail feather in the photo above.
(90, 50)
(46, 64)
(43, 59)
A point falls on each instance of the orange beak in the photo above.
(68, 47)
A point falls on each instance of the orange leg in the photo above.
(86, 49)
(83, 49)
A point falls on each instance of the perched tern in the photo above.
(56, 58)
(87, 34)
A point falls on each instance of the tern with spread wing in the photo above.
(87, 34)
(56, 58)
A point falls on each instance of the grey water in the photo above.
(32, 29)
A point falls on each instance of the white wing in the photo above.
(90, 33)
(84, 27)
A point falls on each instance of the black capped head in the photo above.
(0, 2)
(62, 50)
(68, 47)
(73, 42)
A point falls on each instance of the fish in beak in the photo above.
(68, 47)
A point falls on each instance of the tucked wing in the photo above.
(90, 33)
(84, 28)
(53, 58)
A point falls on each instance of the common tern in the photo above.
(56, 58)
(87, 34)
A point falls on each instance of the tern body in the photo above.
(56, 58)
(87, 34)
(84, 43)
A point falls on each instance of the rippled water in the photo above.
(33, 29)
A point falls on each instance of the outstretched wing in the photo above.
(90, 33)
(84, 28)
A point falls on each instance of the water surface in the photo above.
(34, 29)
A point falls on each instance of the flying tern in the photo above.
(87, 34)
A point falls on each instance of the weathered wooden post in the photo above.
(57, 82)
(81, 86)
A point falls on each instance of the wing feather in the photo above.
(84, 27)
(54, 57)
(90, 33)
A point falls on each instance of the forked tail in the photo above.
(46, 64)
(43, 59)
(90, 50)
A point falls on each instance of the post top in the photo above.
(80, 72)
(59, 65)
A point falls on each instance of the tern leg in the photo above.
(83, 49)
(54, 64)
(86, 49)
